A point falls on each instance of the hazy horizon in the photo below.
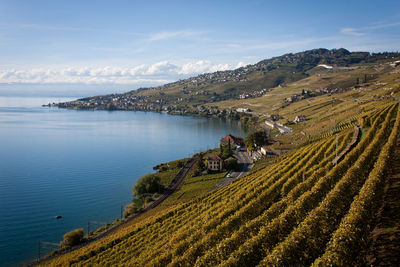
(74, 48)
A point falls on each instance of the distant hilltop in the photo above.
(190, 95)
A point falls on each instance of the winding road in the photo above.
(244, 166)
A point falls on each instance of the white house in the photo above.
(214, 163)
(299, 119)
(243, 110)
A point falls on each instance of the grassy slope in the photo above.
(322, 114)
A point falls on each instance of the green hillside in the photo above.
(301, 210)
(188, 96)
(298, 209)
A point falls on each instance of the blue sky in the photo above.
(107, 46)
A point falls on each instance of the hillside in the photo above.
(189, 96)
(302, 210)
(297, 209)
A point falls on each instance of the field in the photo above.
(297, 209)
(301, 210)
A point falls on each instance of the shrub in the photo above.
(72, 238)
(148, 184)
(130, 209)
(163, 168)
(180, 164)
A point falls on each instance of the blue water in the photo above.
(82, 165)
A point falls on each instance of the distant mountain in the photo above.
(231, 84)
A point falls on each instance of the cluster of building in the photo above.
(237, 75)
(134, 102)
(316, 92)
(120, 102)
(280, 127)
(297, 97)
(254, 94)
(325, 90)
(216, 162)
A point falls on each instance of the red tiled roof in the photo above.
(232, 139)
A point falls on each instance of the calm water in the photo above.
(81, 165)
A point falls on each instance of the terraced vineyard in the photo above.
(302, 210)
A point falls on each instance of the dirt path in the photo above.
(384, 249)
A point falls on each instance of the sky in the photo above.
(94, 47)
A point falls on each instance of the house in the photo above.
(270, 123)
(234, 140)
(395, 64)
(214, 163)
(299, 119)
(280, 127)
(263, 150)
(243, 110)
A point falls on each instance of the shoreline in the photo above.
(175, 184)
(118, 222)
(218, 125)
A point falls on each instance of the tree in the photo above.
(227, 151)
(231, 163)
(200, 164)
(148, 184)
(110, 107)
(255, 138)
(72, 238)
(180, 164)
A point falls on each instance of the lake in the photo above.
(81, 165)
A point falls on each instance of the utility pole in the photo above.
(46, 246)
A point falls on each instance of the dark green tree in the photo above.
(231, 163)
(255, 138)
(200, 164)
(227, 151)
(110, 106)
(148, 184)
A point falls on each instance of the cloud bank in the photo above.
(160, 72)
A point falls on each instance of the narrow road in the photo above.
(244, 166)
(175, 184)
(244, 162)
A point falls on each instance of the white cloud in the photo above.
(165, 35)
(202, 66)
(162, 67)
(159, 72)
(240, 64)
(364, 30)
(351, 31)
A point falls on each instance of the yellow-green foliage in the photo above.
(73, 238)
(283, 214)
(350, 238)
(308, 240)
